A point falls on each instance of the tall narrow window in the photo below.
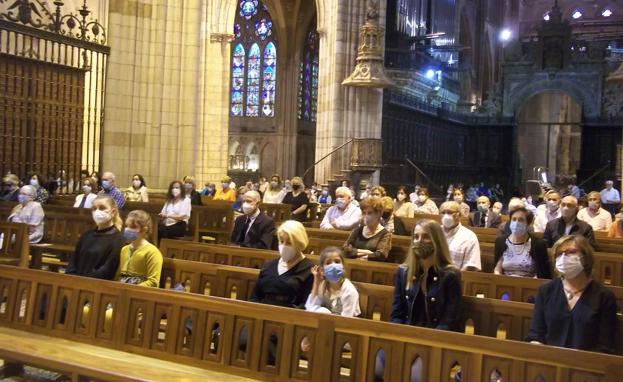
(254, 62)
(308, 77)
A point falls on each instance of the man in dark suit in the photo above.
(485, 217)
(567, 224)
(253, 229)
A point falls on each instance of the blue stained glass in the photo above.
(248, 8)
(308, 78)
(263, 29)
(270, 80)
(237, 81)
(253, 81)
(237, 30)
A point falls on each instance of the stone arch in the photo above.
(515, 96)
(252, 157)
(268, 160)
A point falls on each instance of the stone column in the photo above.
(343, 112)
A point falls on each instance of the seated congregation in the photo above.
(555, 242)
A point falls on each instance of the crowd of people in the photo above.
(427, 286)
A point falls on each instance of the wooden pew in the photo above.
(477, 284)
(13, 244)
(279, 212)
(215, 219)
(206, 332)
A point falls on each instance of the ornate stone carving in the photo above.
(369, 69)
(366, 155)
(613, 100)
(221, 37)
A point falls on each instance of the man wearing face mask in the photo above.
(463, 243)
(325, 197)
(110, 189)
(548, 211)
(343, 215)
(226, 192)
(484, 217)
(29, 212)
(424, 204)
(253, 229)
(597, 217)
(567, 224)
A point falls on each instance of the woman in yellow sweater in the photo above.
(140, 262)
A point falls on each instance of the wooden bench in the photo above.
(279, 212)
(206, 332)
(476, 284)
(215, 219)
(13, 244)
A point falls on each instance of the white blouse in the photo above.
(181, 207)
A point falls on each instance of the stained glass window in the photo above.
(254, 62)
(308, 77)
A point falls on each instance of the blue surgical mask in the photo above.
(23, 199)
(130, 234)
(482, 208)
(106, 185)
(334, 272)
(518, 228)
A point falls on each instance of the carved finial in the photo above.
(373, 11)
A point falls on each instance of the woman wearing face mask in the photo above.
(89, 189)
(140, 262)
(428, 287)
(298, 200)
(521, 253)
(37, 182)
(370, 241)
(332, 292)
(402, 205)
(459, 197)
(190, 192)
(175, 213)
(286, 281)
(423, 204)
(209, 190)
(574, 311)
(97, 251)
(137, 192)
(226, 193)
(325, 197)
(29, 212)
(274, 192)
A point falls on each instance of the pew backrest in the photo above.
(13, 244)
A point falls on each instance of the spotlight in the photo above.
(430, 73)
(505, 34)
(606, 12)
(546, 17)
(576, 14)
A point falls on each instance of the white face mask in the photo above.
(552, 205)
(176, 192)
(86, 189)
(447, 220)
(458, 198)
(568, 212)
(371, 219)
(401, 197)
(287, 252)
(569, 266)
(136, 183)
(422, 198)
(248, 208)
(34, 182)
(101, 217)
(593, 206)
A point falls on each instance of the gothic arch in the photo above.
(515, 96)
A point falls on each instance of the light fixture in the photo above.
(546, 16)
(451, 61)
(576, 14)
(606, 12)
(430, 74)
(505, 34)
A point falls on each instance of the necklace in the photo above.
(518, 248)
(571, 293)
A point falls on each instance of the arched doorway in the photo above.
(549, 136)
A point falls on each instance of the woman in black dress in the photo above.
(298, 200)
(371, 241)
(574, 311)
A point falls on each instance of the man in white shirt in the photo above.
(597, 217)
(547, 211)
(610, 198)
(462, 242)
(343, 215)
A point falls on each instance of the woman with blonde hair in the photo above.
(97, 251)
(428, 287)
(286, 281)
(297, 199)
(140, 261)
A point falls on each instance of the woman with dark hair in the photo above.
(573, 310)
(190, 190)
(424, 204)
(37, 181)
(402, 205)
(521, 253)
(137, 192)
(175, 213)
(459, 197)
(371, 241)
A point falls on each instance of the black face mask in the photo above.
(296, 187)
(386, 215)
(423, 250)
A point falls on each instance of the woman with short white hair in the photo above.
(29, 212)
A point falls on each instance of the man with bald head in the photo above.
(109, 188)
(253, 229)
(567, 224)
